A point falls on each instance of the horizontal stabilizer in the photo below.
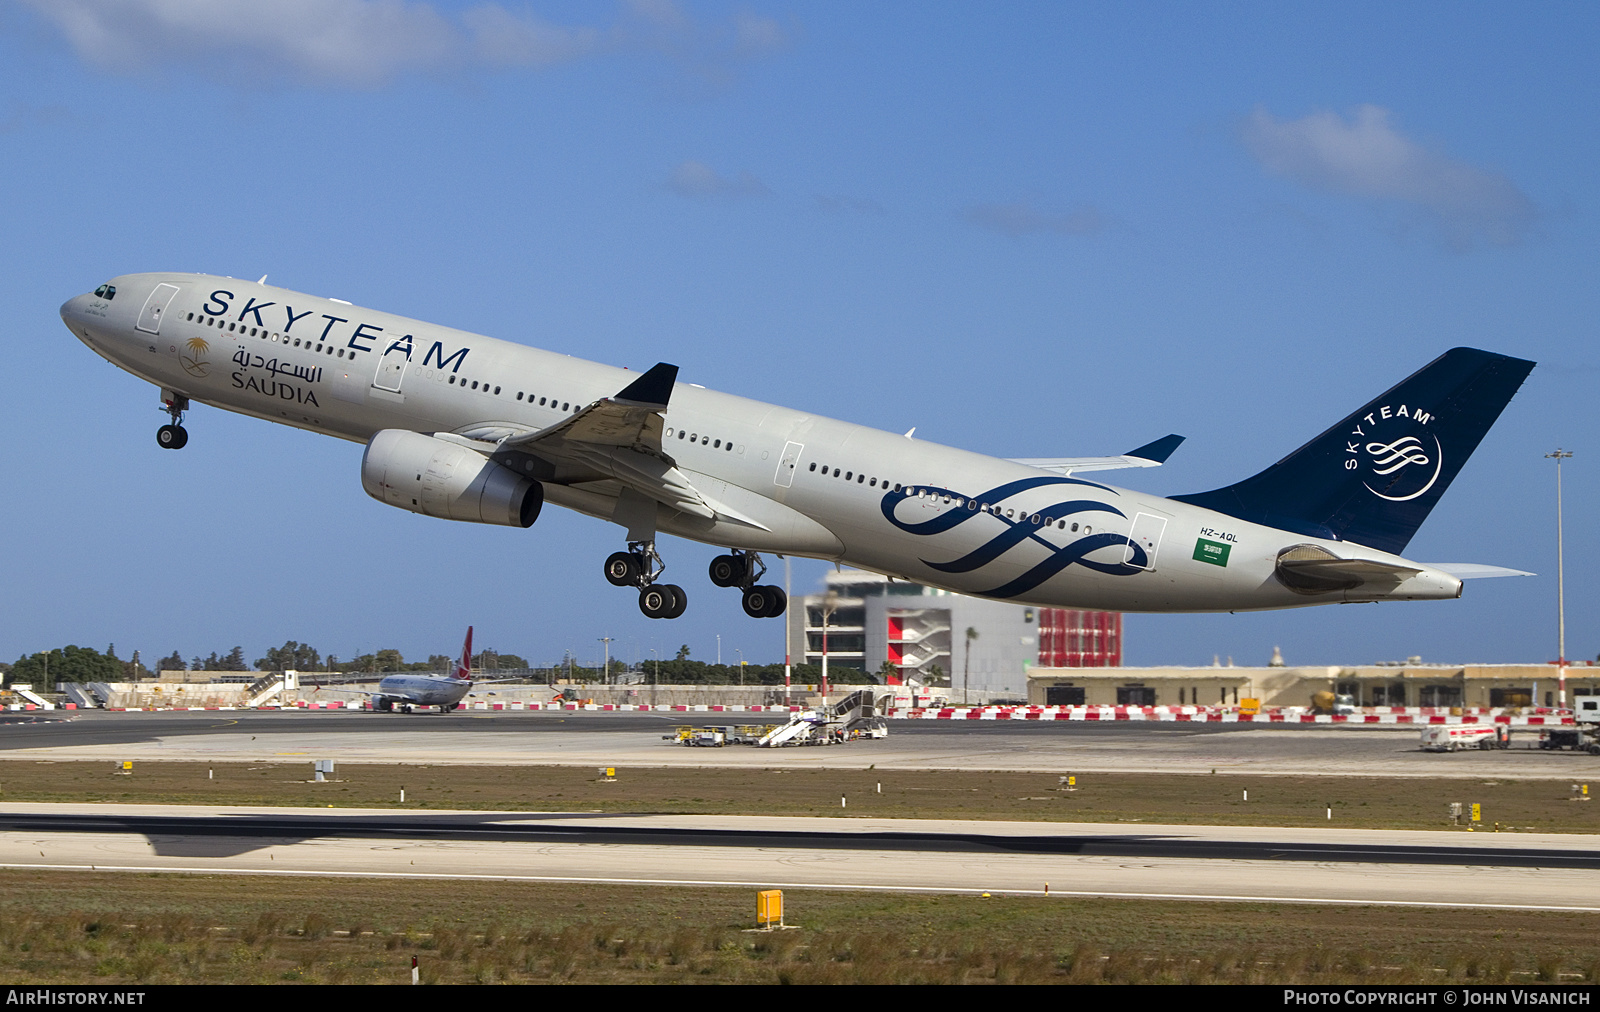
(1149, 455)
(1474, 571)
(1312, 569)
(1363, 570)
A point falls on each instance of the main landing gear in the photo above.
(174, 436)
(742, 570)
(640, 567)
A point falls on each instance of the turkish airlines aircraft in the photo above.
(465, 427)
(443, 691)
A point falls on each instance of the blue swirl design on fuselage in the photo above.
(1019, 531)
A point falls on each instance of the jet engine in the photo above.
(424, 474)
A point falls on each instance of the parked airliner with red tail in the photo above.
(464, 427)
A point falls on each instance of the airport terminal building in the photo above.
(922, 633)
(1373, 685)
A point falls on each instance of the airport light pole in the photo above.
(830, 604)
(787, 655)
(741, 664)
(1561, 586)
(605, 672)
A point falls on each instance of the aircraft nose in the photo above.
(72, 309)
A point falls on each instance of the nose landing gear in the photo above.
(640, 567)
(173, 436)
(742, 569)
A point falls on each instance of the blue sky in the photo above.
(1026, 229)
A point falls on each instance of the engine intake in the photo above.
(424, 474)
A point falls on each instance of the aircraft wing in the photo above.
(632, 419)
(1149, 455)
(620, 437)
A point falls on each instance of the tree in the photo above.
(683, 652)
(66, 664)
(292, 656)
(232, 661)
(966, 663)
(887, 670)
(171, 662)
(936, 675)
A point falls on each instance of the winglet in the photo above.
(654, 387)
(1157, 451)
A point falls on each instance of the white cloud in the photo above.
(367, 43)
(1367, 157)
(1022, 218)
(697, 179)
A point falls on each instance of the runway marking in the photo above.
(833, 887)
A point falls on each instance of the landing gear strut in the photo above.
(640, 566)
(742, 569)
(173, 436)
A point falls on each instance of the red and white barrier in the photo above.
(1201, 714)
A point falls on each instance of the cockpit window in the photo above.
(107, 292)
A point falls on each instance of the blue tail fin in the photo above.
(1373, 478)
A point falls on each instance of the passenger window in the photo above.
(497, 391)
(848, 475)
(836, 472)
(813, 465)
(717, 445)
(1074, 528)
(682, 434)
(860, 478)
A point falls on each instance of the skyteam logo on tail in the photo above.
(1034, 527)
(1398, 464)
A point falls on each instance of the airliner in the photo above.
(443, 691)
(463, 427)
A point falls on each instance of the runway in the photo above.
(635, 739)
(1528, 871)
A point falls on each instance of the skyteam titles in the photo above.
(357, 336)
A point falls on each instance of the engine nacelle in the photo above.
(421, 473)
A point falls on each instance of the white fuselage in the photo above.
(423, 690)
(877, 500)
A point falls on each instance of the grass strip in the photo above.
(1356, 802)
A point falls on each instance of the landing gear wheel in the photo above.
(172, 437)
(680, 601)
(623, 569)
(728, 570)
(759, 602)
(662, 600)
(780, 602)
